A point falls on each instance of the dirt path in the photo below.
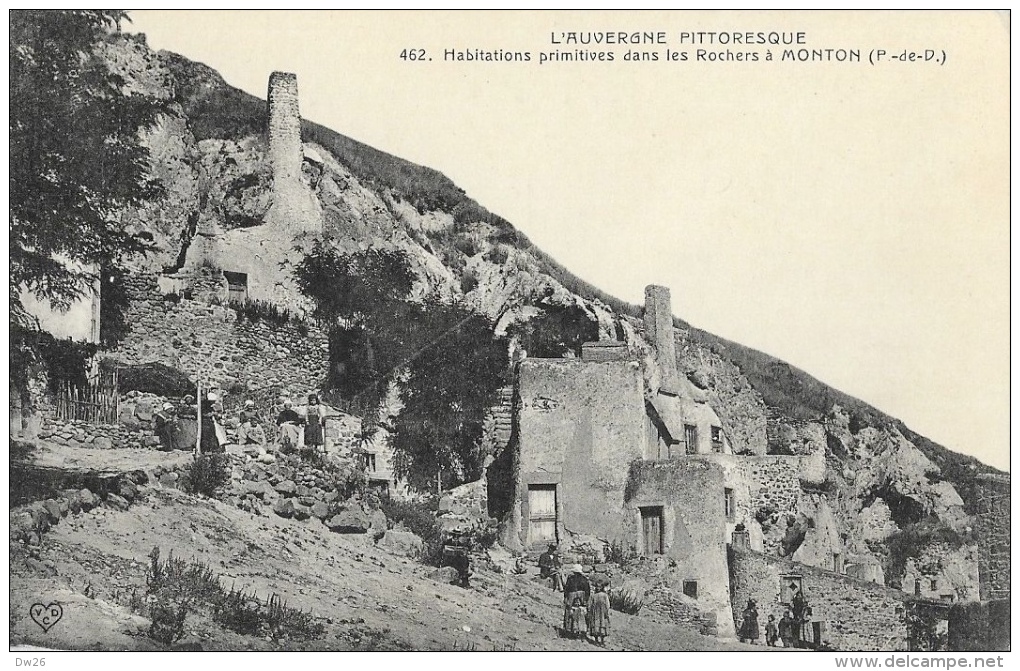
(366, 597)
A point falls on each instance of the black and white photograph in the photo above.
(510, 331)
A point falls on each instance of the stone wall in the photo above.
(580, 426)
(993, 535)
(858, 615)
(210, 345)
(688, 493)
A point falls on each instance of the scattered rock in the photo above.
(446, 574)
(52, 509)
(284, 508)
(353, 521)
(402, 543)
(320, 510)
(117, 502)
(286, 487)
(127, 489)
(88, 500)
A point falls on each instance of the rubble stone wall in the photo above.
(858, 615)
(210, 345)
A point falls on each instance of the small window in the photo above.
(934, 585)
(691, 588)
(917, 587)
(691, 438)
(792, 585)
(729, 503)
(237, 286)
(717, 441)
(370, 463)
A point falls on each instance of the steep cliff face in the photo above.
(877, 483)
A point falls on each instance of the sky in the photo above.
(850, 217)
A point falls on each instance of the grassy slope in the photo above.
(216, 109)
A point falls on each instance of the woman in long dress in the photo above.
(598, 614)
(749, 629)
(315, 420)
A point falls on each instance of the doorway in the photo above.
(542, 514)
(651, 530)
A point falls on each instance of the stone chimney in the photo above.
(659, 329)
(284, 126)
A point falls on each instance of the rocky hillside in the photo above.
(893, 496)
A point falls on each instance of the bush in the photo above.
(626, 600)
(167, 618)
(263, 311)
(154, 378)
(621, 554)
(176, 586)
(497, 255)
(208, 475)
(420, 520)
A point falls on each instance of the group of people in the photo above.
(790, 630)
(177, 426)
(585, 602)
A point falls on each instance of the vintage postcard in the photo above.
(644, 331)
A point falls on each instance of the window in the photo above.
(237, 286)
(370, 463)
(691, 588)
(717, 441)
(917, 587)
(934, 585)
(729, 503)
(691, 438)
(791, 586)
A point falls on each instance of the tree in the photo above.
(76, 162)
(557, 330)
(450, 384)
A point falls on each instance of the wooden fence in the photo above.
(98, 402)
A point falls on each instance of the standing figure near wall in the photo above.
(749, 630)
(164, 421)
(315, 420)
(212, 431)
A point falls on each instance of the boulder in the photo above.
(402, 543)
(259, 488)
(446, 575)
(284, 508)
(169, 479)
(301, 511)
(103, 443)
(352, 521)
(118, 502)
(144, 410)
(286, 488)
(73, 498)
(127, 489)
(320, 510)
(52, 509)
(88, 499)
(302, 490)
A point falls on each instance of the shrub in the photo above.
(621, 554)
(626, 600)
(497, 255)
(176, 586)
(468, 281)
(154, 378)
(264, 311)
(208, 475)
(167, 618)
(420, 520)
